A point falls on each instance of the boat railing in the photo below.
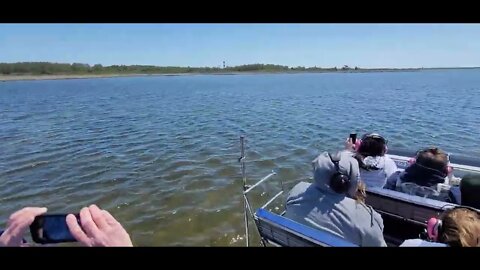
(465, 165)
(248, 212)
(277, 230)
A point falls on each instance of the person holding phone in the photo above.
(93, 227)
(375, 166)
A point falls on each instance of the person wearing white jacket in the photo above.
(375, 166)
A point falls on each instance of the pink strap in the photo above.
(411, 160)
(358, 142)
(432, 228)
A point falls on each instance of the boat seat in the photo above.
(406, 206)
(281, 231)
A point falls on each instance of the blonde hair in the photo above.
(460, 228)
(361, 193)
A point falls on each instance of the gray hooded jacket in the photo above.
(318, 206)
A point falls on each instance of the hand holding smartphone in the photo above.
(353, 136)
(99, 228)
(49, 229)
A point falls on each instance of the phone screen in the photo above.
(51, 229)
(353, 136)
(55, 228)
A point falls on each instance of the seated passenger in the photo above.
(468, 193)
(429, 168)
(375, 166)
(327, 203)
(457, 227)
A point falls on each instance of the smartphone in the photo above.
(353, 136)
(47, 229)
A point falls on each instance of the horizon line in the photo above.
(220, 66)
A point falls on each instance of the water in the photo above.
(160, 153)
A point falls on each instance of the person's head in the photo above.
(373, 145)
(470, 190)
(433, 158)
(338, 172)
(457, 227)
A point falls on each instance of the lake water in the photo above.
(160, 152)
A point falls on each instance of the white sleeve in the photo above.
(390, 166)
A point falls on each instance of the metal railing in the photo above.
(248, 188)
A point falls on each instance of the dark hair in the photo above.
(433, 158)
(372, 145)
(470, 188)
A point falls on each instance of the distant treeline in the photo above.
(39, 68)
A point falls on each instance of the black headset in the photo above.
(339, 182)
(444, 171)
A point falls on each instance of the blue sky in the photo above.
(325, 45)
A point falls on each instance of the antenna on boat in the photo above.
(245, 187)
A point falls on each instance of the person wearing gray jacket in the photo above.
(328, 204)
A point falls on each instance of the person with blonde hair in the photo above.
(334, 202)
(456, 227)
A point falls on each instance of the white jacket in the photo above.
(378, 178)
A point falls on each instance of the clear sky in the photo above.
(323, 45)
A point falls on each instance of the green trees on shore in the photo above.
(47, 68)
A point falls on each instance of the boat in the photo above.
(405, 215)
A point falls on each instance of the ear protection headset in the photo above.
(339, 182)
(447, 170)
(434, 225)
(375, 136)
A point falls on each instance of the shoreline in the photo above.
(7, 78)
(31, 77)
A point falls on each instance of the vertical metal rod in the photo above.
(245, 203)
(242, 160)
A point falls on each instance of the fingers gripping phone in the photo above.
(47, 229)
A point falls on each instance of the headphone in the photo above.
(434, 225)
(375, 136)
(447, 170)
(339, 182)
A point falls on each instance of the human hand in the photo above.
(17, 225)
(349, 145)
(99, 228)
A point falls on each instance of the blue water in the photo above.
(161, 152)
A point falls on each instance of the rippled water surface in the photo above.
(161, 152)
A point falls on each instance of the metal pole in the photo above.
(242, 160)
(259, 182)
